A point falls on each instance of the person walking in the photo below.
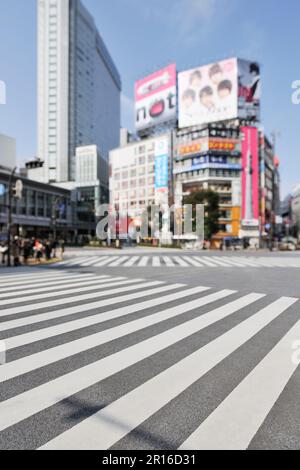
(48, 250)
(26, 251)
(38, 250)
(16, 251)
(3, 251)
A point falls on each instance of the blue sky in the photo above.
(143, 36)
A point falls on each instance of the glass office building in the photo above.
(78, 89)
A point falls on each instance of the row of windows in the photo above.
(212, 159)
(142, 204)
(209, 173)
(134, 183)
(133, 173)
(141, 193)
(34, 204)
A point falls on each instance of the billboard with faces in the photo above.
(208, 94)
(156, 98)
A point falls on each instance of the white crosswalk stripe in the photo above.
(133, 324)
(144, 261)
(76, 289)
(235, 422)
(156, 262)
(77, 281)
(202, 261)
(119, 261)
(78, 298)
(144, 401)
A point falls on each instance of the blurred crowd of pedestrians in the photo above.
(23, 250)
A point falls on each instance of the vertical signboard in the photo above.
(249, 90)
(250, 176)
(156, 98)
(162, 170)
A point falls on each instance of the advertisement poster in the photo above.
(249, 93)
(156, 98)
(208, 94)
(250, 176)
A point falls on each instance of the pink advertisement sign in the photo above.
(156, 98)
(250, 174)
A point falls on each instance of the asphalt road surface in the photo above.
(151, 349)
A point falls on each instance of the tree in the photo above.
(211, 201)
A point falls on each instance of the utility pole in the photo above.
(54, 217)
(274, 136)
(9, 215)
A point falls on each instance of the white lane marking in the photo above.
(205, 261)
(105, 261)
(143, 262)
(42, 285)
(131, 262)
(88, 307)
(192, 262)
(102, 430)
(41, 359)
(119, 261)
(96, 319)
(217, 261)
(235, 263)
(72, 261)
(246, 261)
(91, 261)
(36, 280)
(28, 403)
(80, 298)
(156, 262)
(234, 423)
(180, 261)
(168, 262)
(76, 289)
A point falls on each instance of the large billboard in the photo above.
(156, 98)
(250, 176)
(222, 91)
(208, 94)
(249, 92)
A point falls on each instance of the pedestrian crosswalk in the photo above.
(103, 361)
(183, 261)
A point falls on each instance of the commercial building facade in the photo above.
(209, 158)
(140, 174)
(43, 210)
(212, 117)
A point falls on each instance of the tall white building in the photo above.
(78, 89)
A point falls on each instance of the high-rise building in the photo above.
(78, 89)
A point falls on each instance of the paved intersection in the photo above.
(183, 261)
(105, 360)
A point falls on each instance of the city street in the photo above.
(151, 349)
